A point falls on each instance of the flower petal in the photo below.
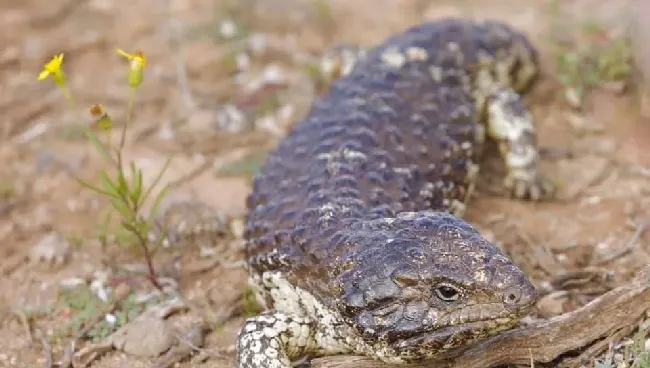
(44, 74)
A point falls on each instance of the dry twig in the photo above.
(629, 245)
(47, 347)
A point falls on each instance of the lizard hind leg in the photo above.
(511, 125)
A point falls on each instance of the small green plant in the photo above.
(124, 187)
(593, 64)
(591, 58)
(82, 305)
(609, 363)
(637, 354)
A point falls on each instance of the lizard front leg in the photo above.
(273, 339)
(510, 123)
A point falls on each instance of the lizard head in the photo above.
(428, 284)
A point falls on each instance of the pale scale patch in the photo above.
(393, 57)
(436, 73)
(417, 54)
(350, 154)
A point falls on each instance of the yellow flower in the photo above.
(53, 68)
(138, 62)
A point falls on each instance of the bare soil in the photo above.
(586, 242)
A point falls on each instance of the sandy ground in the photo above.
(587, 241)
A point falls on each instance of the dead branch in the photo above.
(545, 340)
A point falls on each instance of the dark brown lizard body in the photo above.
(355, 240)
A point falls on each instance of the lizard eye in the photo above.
(447, 293)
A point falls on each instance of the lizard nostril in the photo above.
(519, 296)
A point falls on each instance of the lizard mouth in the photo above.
(437, 342)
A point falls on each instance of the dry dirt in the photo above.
(575, 248)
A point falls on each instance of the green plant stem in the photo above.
(153, 278)
(68, 97)
(129, 113)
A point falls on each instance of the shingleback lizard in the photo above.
(355, 241)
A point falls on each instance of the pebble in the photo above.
(72, 282)
(52, 248)
(552, 304)
(228, 29)
(32, 133)
(582, 125)
(232, 120)
(110, 318)
(146, 336)
(573, 98)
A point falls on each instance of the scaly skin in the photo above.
(355, 240)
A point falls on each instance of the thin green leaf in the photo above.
(124, 235)
(122, 208)
(136, 185)
(156, 180)
(95, 189)
(109, 185)
(128, 226)
(142, 226)
(123, 185)
(99, 146)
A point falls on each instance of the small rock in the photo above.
(552, 304)
(243, 61)
(582, 125)
(232, 120)
(618, 87)
(581, 173)
(591, 200)
(52, 248)
(270, 124)
(573, 98)
(228, 28)
(72, 282)
(147, 336)
(596, 145)
(202, 120)
(271, 75)
(110, 318)
(32, 133)
(258, 43)
(99, 284)
(193, 221)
